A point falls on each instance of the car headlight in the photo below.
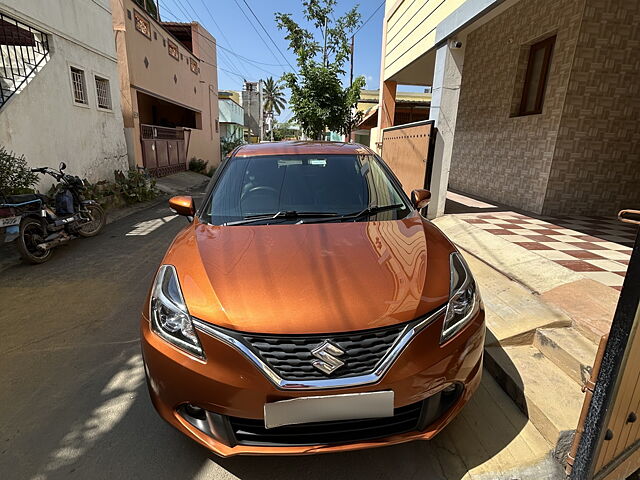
(170, 318)
(464, 300)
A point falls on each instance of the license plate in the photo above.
(327, 408)
(9, 221)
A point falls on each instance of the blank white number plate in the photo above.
(327, 408)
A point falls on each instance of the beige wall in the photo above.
(596, 167)
(497, 156)
(169, 79)
(411, 30)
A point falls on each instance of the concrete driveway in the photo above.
(75, 405)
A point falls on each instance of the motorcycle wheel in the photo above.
(98, 220)
(31, 234)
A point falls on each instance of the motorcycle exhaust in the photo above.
(55, 242)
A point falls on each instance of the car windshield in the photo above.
(304, 189)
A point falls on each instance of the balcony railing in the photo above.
(23, 52)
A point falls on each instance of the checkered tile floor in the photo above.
(597, 247)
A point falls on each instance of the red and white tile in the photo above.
(597, 247)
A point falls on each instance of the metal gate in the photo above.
(164, 150)
(607, 442)
(408, 150)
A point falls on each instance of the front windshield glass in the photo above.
(302, 186)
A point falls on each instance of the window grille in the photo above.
(103, 93)
(79, 86)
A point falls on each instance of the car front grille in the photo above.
(253, 432)
(290, 356)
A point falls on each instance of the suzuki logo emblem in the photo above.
(326, 354)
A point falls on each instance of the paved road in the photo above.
(74, 403)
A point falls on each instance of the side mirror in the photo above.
(62, 166)
(183, 205)
(420, 198)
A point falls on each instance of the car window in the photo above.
(323, 184)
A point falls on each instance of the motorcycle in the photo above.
(38, 225)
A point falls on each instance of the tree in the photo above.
(274, 100)
(318, 99)
(284, 130)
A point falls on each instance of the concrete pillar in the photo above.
(388, 104)
(447, 78)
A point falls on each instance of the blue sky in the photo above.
(225, 20)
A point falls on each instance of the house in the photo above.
(59, 96)
(231, 116)
(536, 104)
(410, 107)
(169, 88)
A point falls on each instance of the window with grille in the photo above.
(79, 86)
(103, 93)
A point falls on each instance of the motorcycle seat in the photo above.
(23, 198)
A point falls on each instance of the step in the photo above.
(547, 395)
(569, 350)
(512, 312)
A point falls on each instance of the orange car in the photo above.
(309, 307)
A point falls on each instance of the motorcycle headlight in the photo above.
(170, 318)
(464, 300)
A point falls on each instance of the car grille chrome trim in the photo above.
(406, 335)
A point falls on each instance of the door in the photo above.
(408, 150)
(607, 443)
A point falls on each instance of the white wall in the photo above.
(42, 122)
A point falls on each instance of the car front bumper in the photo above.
(228, 386)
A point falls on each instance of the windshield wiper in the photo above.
(369, 211)
(284, 214)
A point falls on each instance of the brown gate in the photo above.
(408, 150)
(164, 150)
(607, 443)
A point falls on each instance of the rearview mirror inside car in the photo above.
(183, 205)
(420, 198)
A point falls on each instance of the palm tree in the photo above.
(274, 100)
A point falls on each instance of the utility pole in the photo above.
(324, 49)
(351, 69)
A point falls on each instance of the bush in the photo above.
(15, 175)
(197, 165)
(133, 187)
(136, 186)
(228, 145)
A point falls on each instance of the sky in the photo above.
(245, 51)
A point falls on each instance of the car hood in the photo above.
(312, 278)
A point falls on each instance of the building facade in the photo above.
(169, 85)
(59, 87)
(536, 103)
(231, 117)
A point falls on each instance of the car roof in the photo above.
(312, 147)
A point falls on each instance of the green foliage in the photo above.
(135, 186)
(318, 99)
(274, 100)
(197, 165)
(284, 130)
(227, 145)
(15, 175)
